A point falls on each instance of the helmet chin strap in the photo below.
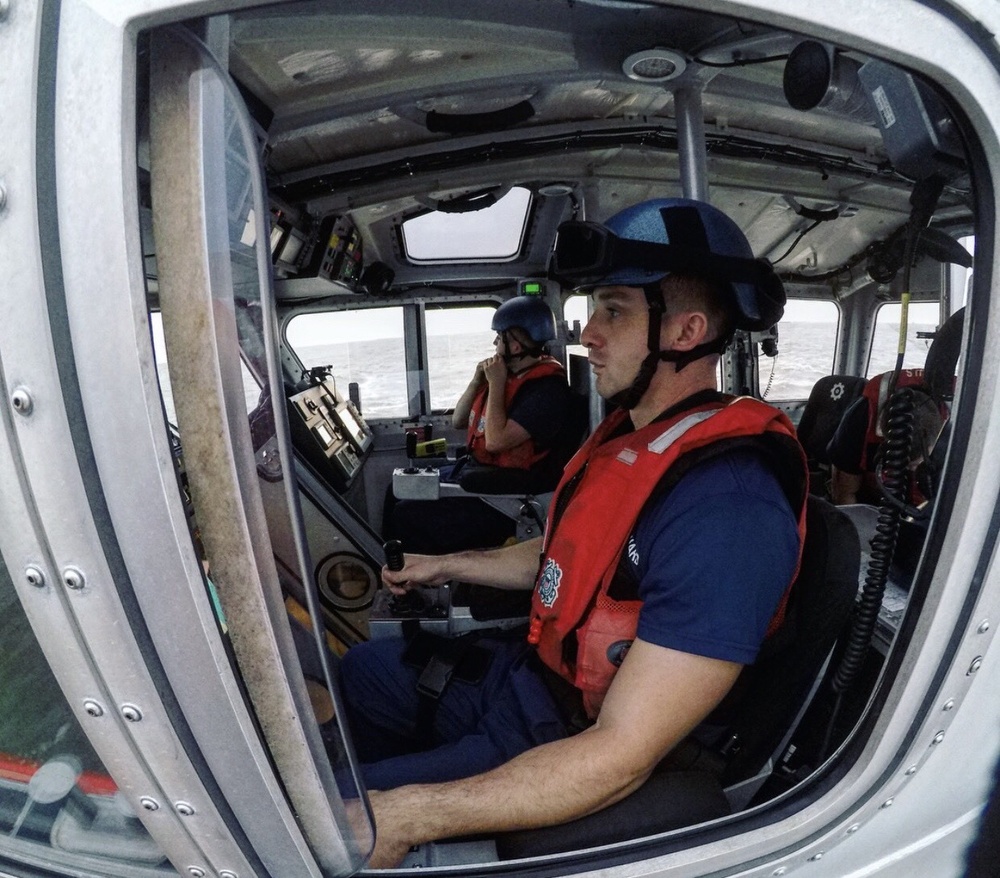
(509, 358)
(630, 397)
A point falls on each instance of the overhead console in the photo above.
(329, 431)
(338, 254)
(316, 257)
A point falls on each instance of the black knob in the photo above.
(393, 554)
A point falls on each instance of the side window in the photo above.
(921, 319)
(54, 789)
(577, 307)
(807, 341)
(457, 339)
(251, 387)
(362, 346)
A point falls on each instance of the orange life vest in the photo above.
(525, 455)
(876, 392)
(610, 480)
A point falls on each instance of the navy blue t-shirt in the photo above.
(713, 559)
(542, 407)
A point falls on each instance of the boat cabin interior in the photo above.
(334, 199)
(414, 178)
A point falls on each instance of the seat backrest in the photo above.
(942, 358)
(830, 397)
(757, 713)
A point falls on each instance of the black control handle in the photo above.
(393, 554)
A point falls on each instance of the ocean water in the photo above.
(379, 368)
(805, 354)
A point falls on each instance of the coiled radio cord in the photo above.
(893, 479)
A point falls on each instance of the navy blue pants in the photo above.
(476, 727)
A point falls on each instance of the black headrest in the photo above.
(829, 399)
(942, 358)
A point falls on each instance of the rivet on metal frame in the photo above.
(184, 809)
(196, 872)
(977, 663)
(984, 626)
(227, 873)
(149, 803)
(35, 576)
(74, 578)
(131, 713)
(22, 401)
(93, 708)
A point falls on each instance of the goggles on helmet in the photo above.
(587, 253)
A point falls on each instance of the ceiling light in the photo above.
(555, 190)
(654, 65)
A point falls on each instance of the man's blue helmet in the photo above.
(641, 245)
(687, 237)
(528, 313)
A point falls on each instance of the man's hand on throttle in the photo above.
(417, 570)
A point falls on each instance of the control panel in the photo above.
(329, 432)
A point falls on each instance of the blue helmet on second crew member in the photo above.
(531, 316)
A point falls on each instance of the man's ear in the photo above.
(684, 331)
(514, 346)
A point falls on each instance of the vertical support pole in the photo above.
(418, 388)
(691, 143)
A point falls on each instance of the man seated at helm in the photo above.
(516, 409)
(667, 558)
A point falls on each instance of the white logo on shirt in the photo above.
(633, 551)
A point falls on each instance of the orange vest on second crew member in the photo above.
(525, 455)
(876, 392)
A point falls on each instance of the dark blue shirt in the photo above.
(542, 408)
(713, 559)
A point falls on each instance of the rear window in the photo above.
(921, 322)
(807, 342)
